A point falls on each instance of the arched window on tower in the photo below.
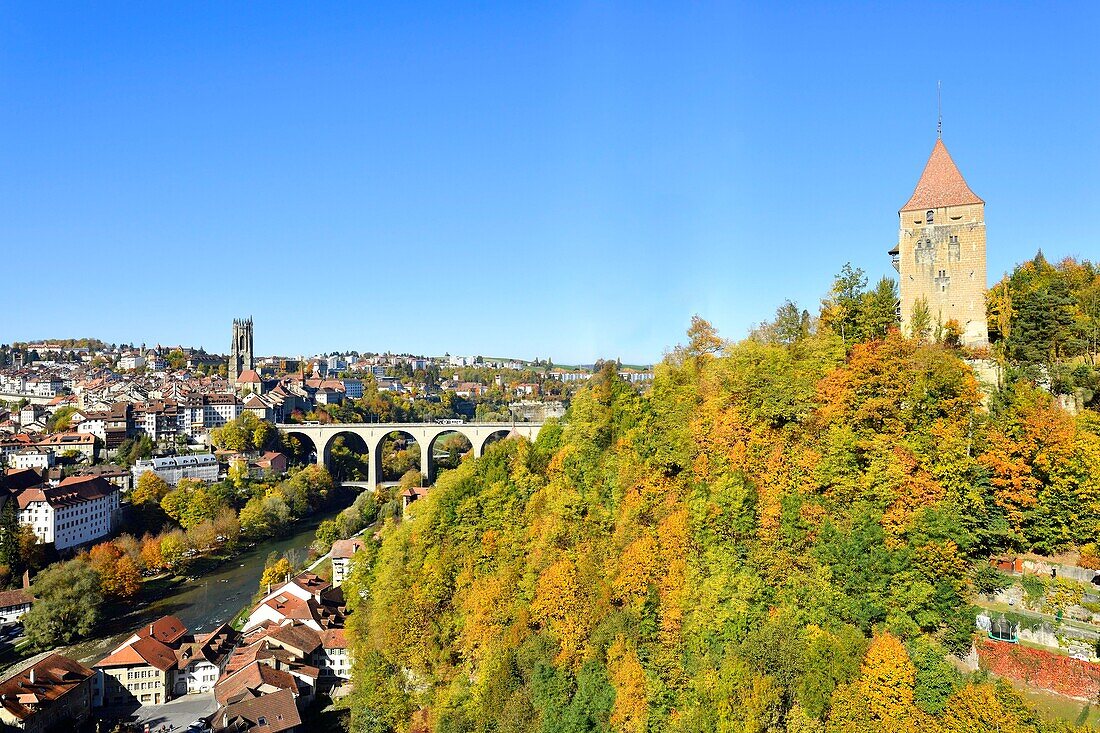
(929, 216)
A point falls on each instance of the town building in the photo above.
(37, 458)
(198, 413)
(940, 255)
(269, 462)
(161, 662)
(120, 476)
(76, 512)
(143, 667)
(201, 659)
(62, 443)
(131, 361)
(14, 604)
(254, 713)
(306, 598)
(198, 466)
(341, 554)
(52, 694)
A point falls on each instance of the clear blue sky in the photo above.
(571, 180)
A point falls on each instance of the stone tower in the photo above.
(240, 355)
(940, 255)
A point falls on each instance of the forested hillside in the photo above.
(780, 535)
(1044, 321)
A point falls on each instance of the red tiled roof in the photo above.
(277, 710)
(73, 490)
(144, 651)
(296, 636)
(54, 677)
(19, 479)
(12, 598)
(347, 548)
(253, 677)
(334, 639)
(166, 629)
(941, 184)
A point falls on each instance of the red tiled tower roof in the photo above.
(941, 184)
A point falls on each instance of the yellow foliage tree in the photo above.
(881, 699)
(558, 606)
(276, 573)
(630, 711)
(150, 488)
(979, 709)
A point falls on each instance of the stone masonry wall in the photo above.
(944, 262)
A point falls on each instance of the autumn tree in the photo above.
(119, 575)
(150, 488)
(276, 572)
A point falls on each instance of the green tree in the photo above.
(920, 320)
(11, 551)
(841, 311)
(878, 310)
(67, 604)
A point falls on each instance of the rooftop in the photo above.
(941, 184)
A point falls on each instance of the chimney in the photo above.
(26, 579)
(32, 675)
(150, 629)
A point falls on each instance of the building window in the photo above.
(930, 216)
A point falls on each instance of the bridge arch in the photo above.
(347, 456)
(490, 438)
(415, 458)
(308, 452)
(451, 442)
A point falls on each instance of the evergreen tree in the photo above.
(10, 551)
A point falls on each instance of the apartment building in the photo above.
(78, 511)
(201, 466)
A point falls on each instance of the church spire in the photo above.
(939, 110)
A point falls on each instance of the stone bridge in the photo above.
(318, 439)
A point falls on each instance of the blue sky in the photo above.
(571, 180)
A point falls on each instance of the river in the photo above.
(215, 598)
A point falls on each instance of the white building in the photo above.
(94, 423)
(62, 443)
(201, 466)
(333, 658)
(342, 551)
(13, 605)
(79, 510)
(36, 458)
(131, 361)
(305, 599)
(199, 413)
(201, 659)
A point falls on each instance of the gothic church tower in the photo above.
(940, 254)
(240, 357)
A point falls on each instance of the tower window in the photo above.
(929, 216)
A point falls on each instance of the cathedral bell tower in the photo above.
(240, 353)
(940, 254)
